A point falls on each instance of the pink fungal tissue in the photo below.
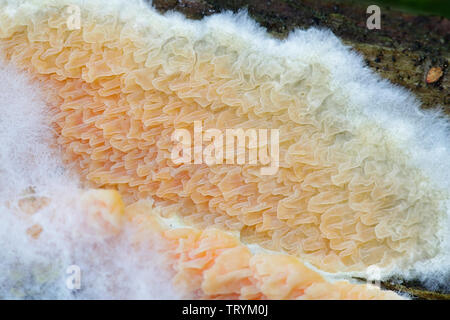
(167, 158)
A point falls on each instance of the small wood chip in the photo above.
(434, 74)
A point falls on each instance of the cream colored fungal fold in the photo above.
(204, 264)
(359, 184)
(213, 264)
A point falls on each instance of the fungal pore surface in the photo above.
(361, 179)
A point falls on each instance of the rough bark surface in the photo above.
(403, 51)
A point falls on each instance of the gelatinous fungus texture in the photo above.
(344, 197)
(207, 264)
(216, 265)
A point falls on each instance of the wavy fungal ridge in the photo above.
(216, 265)
(344, 197)
(207, 264)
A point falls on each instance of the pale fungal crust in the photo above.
(207, 264)
(102, 211)
(347, 194)
(105, 210)
(216, 265)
